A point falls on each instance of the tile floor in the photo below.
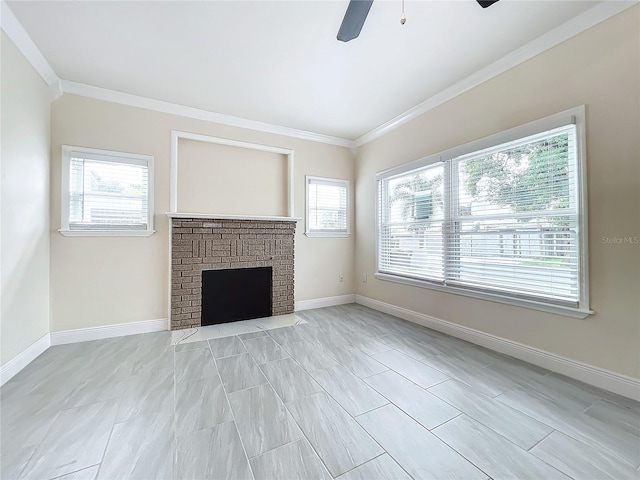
(351, 394)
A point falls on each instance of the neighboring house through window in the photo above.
(327, 207)
(106, 193)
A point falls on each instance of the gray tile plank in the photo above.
(212, 454)
(226, 347)
(579, 460)
(76, 440)
(380, 468)
(521, 429)
(483, 380)
(154, 352)
(494, 454)
(247, 336)
(285, 335)
(341, 443)
(580, 426)
(620, 417)
(84, 474)
(194, 364)
(14, 459)
(296, 460)
(308, 356)
(264, 349)
(367, 344)
(181, 347)
(140, 448)
(26, 419)
(408, 346)
(411, 369)
(349, 391)
(239, 372)
(422, 406)
(360, 364)
(200, 404)
(417, 451)
(263, 421)
(289, 380)
(145, 394)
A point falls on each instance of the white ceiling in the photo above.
(279, 62)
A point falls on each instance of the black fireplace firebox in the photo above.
(235, 294)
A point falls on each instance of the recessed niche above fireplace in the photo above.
(201, 243)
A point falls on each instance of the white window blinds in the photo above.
(411, 224)
(327, 206)
(503, 220)
(107, 193)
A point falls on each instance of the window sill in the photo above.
(107, 233)
(327, 234)
(530, 304)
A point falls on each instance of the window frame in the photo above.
(574, 116)
(115, 157)
(323, 233)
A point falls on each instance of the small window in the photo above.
(327, 207)
(106, 193)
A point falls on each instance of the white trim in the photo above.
(324, 302)
(596, 376)
(176, 135)
(488, 296)
(19, 36)
(121, 98)
(338, 182)
(24, 358)
(216, 216)
(327, 234)
(571, 28)
(106, 233)
(108, 331)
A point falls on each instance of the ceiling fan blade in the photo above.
(353, 20)
(486, 3)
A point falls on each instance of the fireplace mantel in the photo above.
(219, 216)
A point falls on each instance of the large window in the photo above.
(502, 218)
(106, 193)
(327, 207)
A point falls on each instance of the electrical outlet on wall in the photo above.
(364, 277)
(340, 278)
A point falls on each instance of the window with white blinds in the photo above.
(327, 207)
(107, 193)
(501, 222)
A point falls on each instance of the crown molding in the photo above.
(571, 28)
(98, 93)
(19, 36)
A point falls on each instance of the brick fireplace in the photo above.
(200, 243)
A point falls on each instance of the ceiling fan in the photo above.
(357, 12)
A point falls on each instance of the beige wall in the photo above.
(24, 220)
(599, 68)
(216, 178)
(108, 280)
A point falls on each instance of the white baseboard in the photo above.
(324, 302)
(24, 358)
(596, 376)
(107, 331)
